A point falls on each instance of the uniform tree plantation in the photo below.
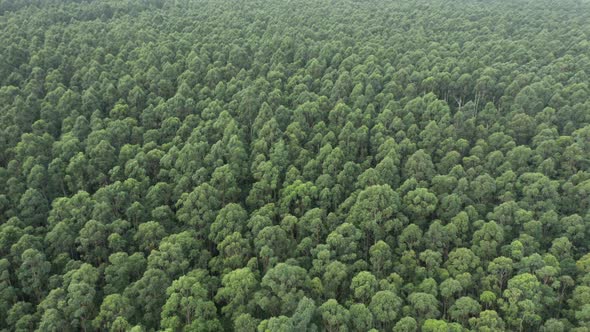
(291, 166)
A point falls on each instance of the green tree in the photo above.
(385, 307)
(488, 320)
(123, 270)
(361, 318)
(373, 209)
(363, 286)
(33, 273)
(406, 324)
(149, 296)
(464, 308)
(188, 307)
(237, 291)
(419, 166)
(148, 235)
(281, 288)
(522, 304)
(114, 309)
(425, 306)
(334, 316)
(462, 260)
(420, 204)
(81, 297)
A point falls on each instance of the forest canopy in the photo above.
(298, 165)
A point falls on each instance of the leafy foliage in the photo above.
(294, 166)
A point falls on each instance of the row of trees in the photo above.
(270, 166)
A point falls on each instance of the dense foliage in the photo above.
(294, 165)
